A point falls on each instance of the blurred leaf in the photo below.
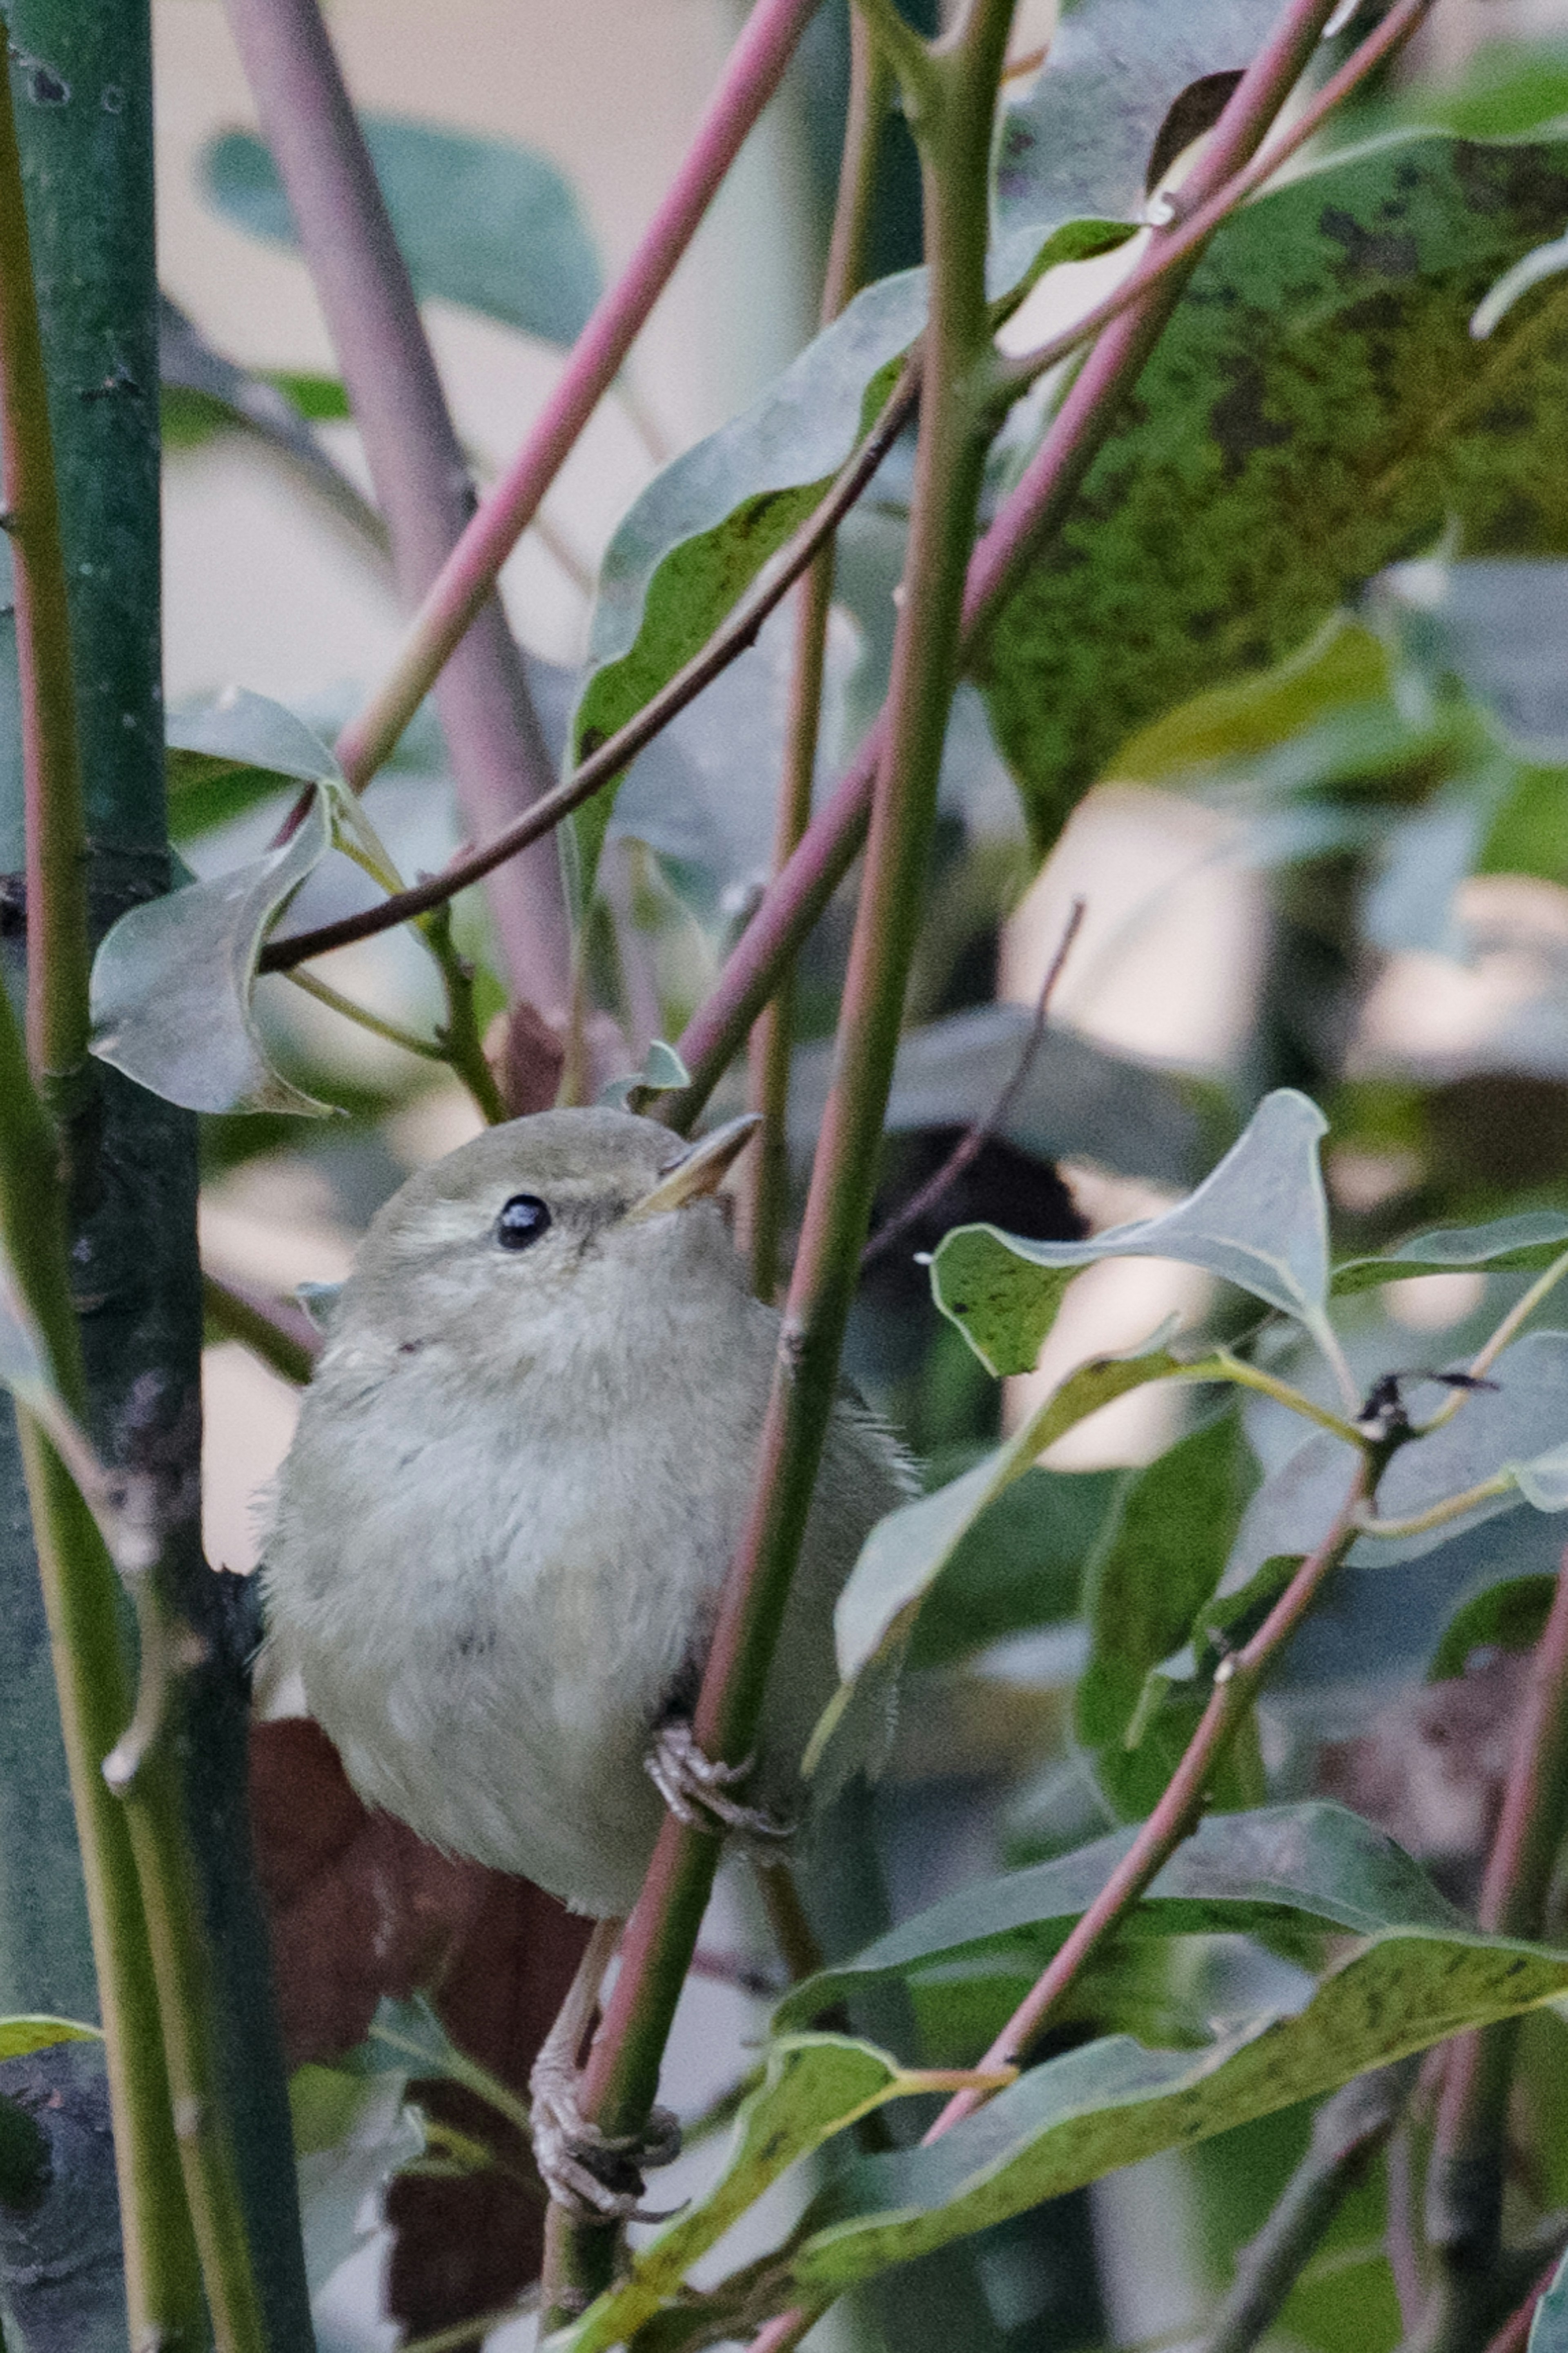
(1408, 905)
(813, 2086)
(479, 221)
(1319, 363)
(337, 2179)
(1510, 1616)
(1239, 1874)
(20, 2036)
(662, 1070)
(1079, 1100)
(171, 981)
(319, 399)
(1499, 627)
(1343, 667)
(1109, 2103)
(1160, 1559)
(1258, 1219)
(1020, 1564)
(1549, 2329)
(1083, 138)
(1532, 1239)
(1503, 90)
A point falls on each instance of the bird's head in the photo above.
(572, 1214)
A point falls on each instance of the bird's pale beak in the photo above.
(700, 1171)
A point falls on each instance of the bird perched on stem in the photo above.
(497, 1544)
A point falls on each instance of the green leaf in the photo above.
(20, 2036)
(1510, 1616)
(1113, 2103)
(1259, 1219)
(171, 981)
(479, 221)
(1529, 1241)
(1345, 668)
(1504, 90)
(1019, 1566)
(813, 2086)
(1239, 1874)
(1319, 363)
(697, 537)
(691, 544)
(1161, 1558)
(319, 399)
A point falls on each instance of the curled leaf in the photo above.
(1259, 1220)
(171, 983)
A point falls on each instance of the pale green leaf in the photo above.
(1529, 1241)
(479, 221)
(1239, 1874)
(1111, 2103)
(813, 2086)
(172, 982)
(1259, 1220)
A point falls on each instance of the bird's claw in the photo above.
(696, 1790)
(597, 2177)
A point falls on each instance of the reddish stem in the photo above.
(499, 758)
(469, 573)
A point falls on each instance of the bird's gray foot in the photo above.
(597, 2177)
(697, 1790)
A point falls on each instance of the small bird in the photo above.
(520, 1471)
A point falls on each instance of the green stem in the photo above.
(58, 954)
(459, 1042)
(425, 1048)
(1437, 1515)
(773, 1039)
(163, 2277)
(282, 1335)
(1487, 1355)
(952, 109)
(1464, 2187)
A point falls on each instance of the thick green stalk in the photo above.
(771, 1039)
(56, 844)
(82, 81)
(162, 2279)
(952, 98)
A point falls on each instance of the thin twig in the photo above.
(500, 762)
(361, 1015)
(281, 1335)
(980, 1133)
(57, 956)
(604, 765)
(469, 573)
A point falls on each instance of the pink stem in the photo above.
(470, 571)
(499, 754)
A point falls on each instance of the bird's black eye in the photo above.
(523, 1219)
